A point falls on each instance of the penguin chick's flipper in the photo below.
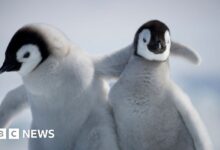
(111, 65)
(13, 103)
(191, 118)
(178, 49)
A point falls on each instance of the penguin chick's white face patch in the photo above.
(29, 56)
(142, 47)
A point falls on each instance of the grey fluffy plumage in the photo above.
(150, 110)
(66, 94)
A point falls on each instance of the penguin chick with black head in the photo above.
(151, 112)
(62, 89)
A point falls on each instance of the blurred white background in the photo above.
(102, 26)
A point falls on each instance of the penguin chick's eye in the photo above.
(26, 55)
(144, 40)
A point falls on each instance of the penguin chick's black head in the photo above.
(153, 37)
(15, 57)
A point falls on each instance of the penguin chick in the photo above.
(150, 110)
(106, 67)
(62, 89)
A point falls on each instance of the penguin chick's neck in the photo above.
(156, 72)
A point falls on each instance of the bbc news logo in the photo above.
(15, 133)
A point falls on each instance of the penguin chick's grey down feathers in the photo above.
(180, 50)
(62, 88)
(14, 102)
(150, 111)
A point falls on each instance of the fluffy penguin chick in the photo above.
(150, 111)
(63, 90)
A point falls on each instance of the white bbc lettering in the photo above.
(14, 133)
(42, 133)
(33, 134)
(38, 133)
(51, 134)
(26, 134)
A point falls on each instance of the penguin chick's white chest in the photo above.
(145, 117)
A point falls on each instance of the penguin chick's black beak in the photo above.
(9, 66)
(157, 48)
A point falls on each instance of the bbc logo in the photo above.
(13, 133)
